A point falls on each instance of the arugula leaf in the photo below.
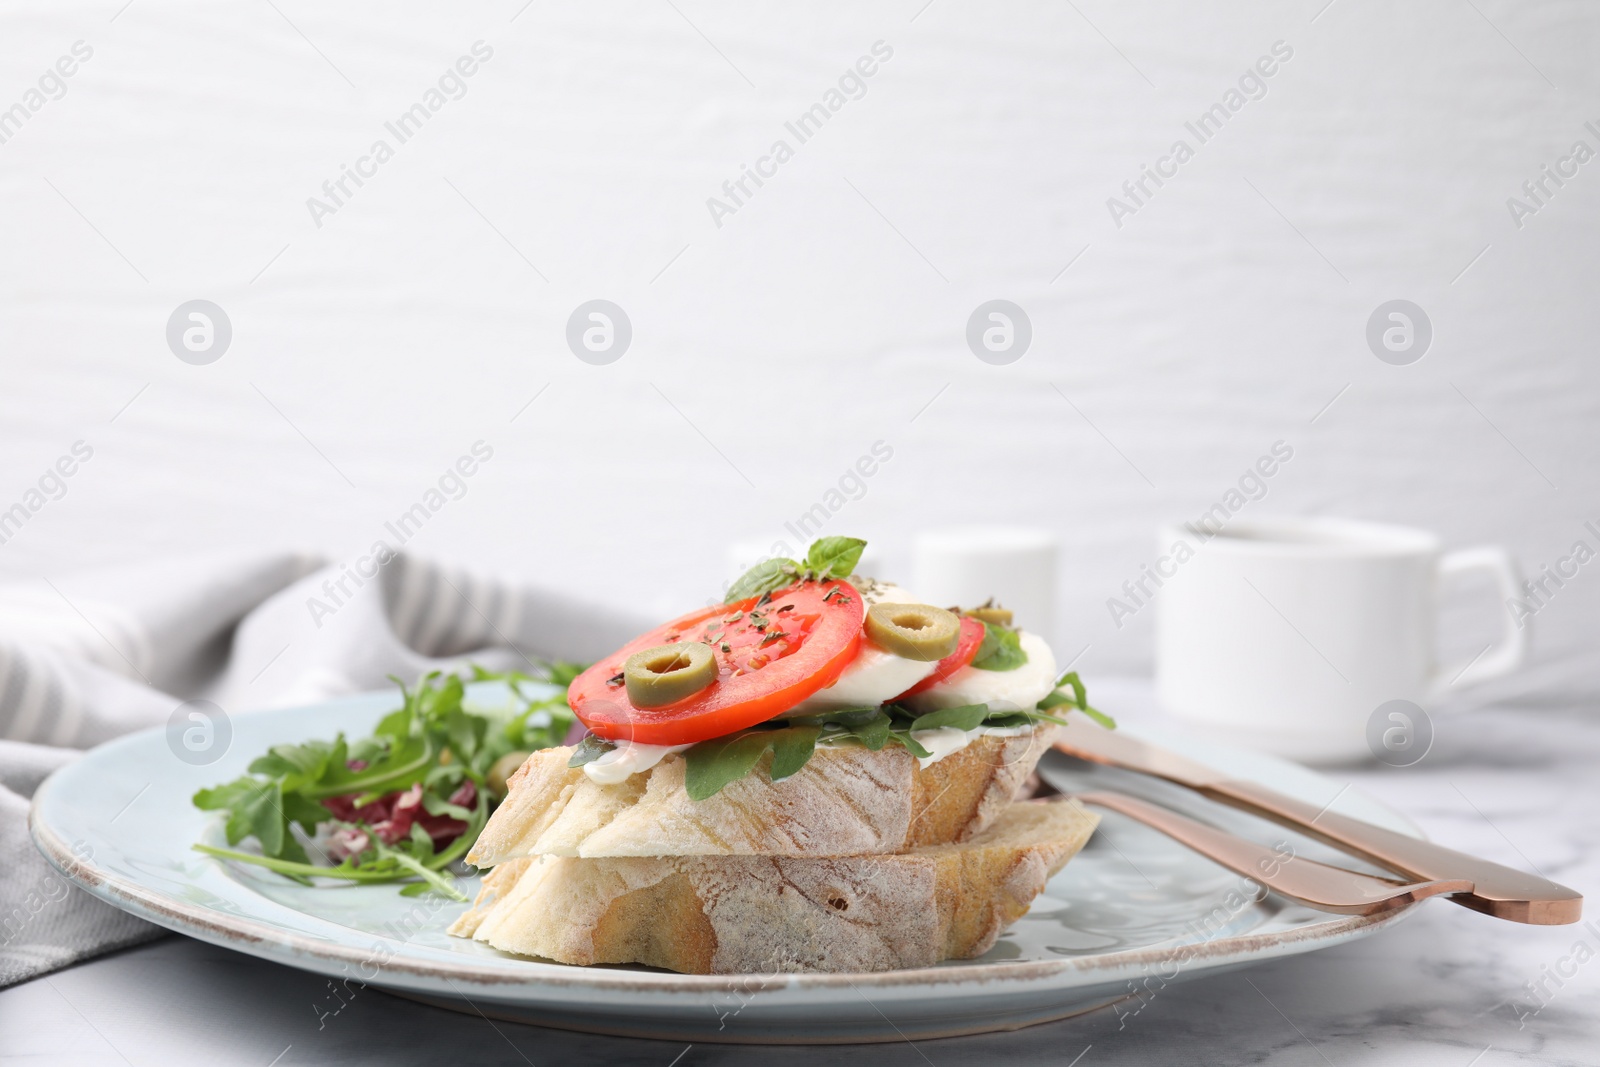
(872, 733)
(966, 717)
(1078, 699)
(834, 557)
(768, 576)
(1057, 699)
(434, 740)
(1100, 717)
(711, 765)
(556, 672)
(420, 841)
(588, 750)
(1001, 649)
(434, 804)
(1079, 693)
(389, 865)
(562, 673)
(839, 717)
(870, 726)
(307, 762)
(902, 734)
(305, 812)
(791, 750)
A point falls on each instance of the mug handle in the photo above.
(1508, 653)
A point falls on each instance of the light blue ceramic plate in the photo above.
(1131, 914)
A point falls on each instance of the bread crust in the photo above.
(846, 801)
(740, 914)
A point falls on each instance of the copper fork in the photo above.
(1504, 892)
(1316, 885)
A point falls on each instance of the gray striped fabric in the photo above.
(88, 657)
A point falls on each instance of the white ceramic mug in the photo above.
(1288, 634)
(969, 564)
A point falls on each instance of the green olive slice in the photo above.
(987, 613)
(914, 631)
(668, 673)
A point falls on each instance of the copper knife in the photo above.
(1504, 892)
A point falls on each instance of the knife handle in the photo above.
(1503, 892)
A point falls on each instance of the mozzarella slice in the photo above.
(1018, 690)
(874, 676)
(876, 592)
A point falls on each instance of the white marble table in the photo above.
(1516, 785)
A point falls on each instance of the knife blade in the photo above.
(1497, 890)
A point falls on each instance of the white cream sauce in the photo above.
(627, 759)
(947, 740)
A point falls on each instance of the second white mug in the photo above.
(1290, 633)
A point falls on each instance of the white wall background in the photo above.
(1224, 316)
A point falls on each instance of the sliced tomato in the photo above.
(972, 633)
(772, 653)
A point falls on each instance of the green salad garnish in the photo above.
(400, 805)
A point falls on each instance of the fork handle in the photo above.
(1315, 884)
(1503, 892)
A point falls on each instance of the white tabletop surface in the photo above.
(1448, 988)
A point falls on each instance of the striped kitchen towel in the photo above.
(86, 658)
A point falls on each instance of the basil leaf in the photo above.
(834, 557)
(768, 576)
(966, 717)
(588, 750)
(1001, 649)
(828, 557)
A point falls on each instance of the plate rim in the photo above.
(301, 949)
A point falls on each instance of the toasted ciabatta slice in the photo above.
(847, 801)
(766, 914)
